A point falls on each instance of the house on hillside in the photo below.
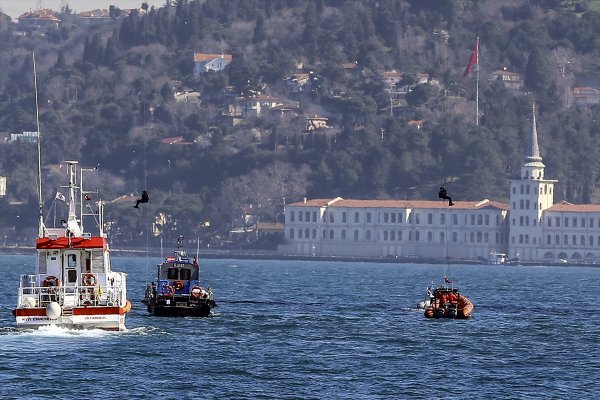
(27, 137)
(210, 62)
(38, 19)
(296, 82)
(585, 95)
(93, 17)
(316, 123)
(511, 80)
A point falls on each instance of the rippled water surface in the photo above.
(322, 330)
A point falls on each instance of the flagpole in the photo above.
(477, 93)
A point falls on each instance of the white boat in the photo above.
(73, 285)
(498, 259)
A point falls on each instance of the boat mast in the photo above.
(39, 150)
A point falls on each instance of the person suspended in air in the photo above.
(144, 199)
(443, 195)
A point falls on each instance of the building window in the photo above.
(356, 235)
(356, 218)
(307, 216)
(400, 218)
(527, 189)
(521, 204)
(314, 233)
(314, 216)
(549, 239)
(574, 240)
(331, 234)
(479, 237)
(410, 238)
(331, 218)
(299, 233)
(386, 218)
(486, 219)
(486, 237)
(522, 188)
(443, 219)
(368, 218)
(479, 219)
(591, 240)
(521, 220)
(385, 235)
(454, 219)
(417, 219)
(556, 239)
(591, 222)
(393, 218)
(417, 236)
(343, 234)
(399, 235)
(324, 234)
(526, 238)
(527, 220)
(514, 190)
(392, 235)
(557, 220)
(300, 214)
(472, 219)
(344, 217)
(442, 238)
(429, 236)
(291, 233)
(527, 204)
(368, 234)
(291, 216)
(549, 222)
(430, 218)
(574, 222)
(410, 218)
(582, 240)
(307, 233)
(566, 222)
(520, 238)
(565, 240)
(455, 237)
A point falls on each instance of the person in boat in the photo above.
(444, 195)
(145, 198)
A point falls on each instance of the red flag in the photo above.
(472, 61)
(87, 197)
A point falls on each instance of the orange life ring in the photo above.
(89, 280)
(167, 291)
(178, 285)
(197, 291)
(51, 281)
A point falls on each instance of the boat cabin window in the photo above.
(71, 261)
(172, 273)
(71, 276)
(185, 274)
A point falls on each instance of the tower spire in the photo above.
(533, 149)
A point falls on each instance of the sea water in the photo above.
(322, 330)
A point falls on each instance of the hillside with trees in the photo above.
(108, 96)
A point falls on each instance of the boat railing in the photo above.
(31, 296)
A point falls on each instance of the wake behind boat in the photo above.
(73, 285)
(177, 291)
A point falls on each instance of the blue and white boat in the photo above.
(177, 291)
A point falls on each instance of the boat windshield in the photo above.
(184, 273)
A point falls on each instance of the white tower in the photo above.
(529, 197)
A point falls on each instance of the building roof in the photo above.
(42, 14)
(354, 203)
(565, 206)
(200, 57)
(97, 13)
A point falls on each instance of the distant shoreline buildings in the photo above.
(532, 227)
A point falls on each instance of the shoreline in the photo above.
(239, 254)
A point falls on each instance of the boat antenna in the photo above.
(39, 151)
(197, 247)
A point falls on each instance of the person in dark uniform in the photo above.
(144, 199)
(443, 195)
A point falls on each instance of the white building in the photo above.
(531, 227)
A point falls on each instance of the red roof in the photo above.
(199, 57)
(466, 205)
(569, 207)
(76, 243)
